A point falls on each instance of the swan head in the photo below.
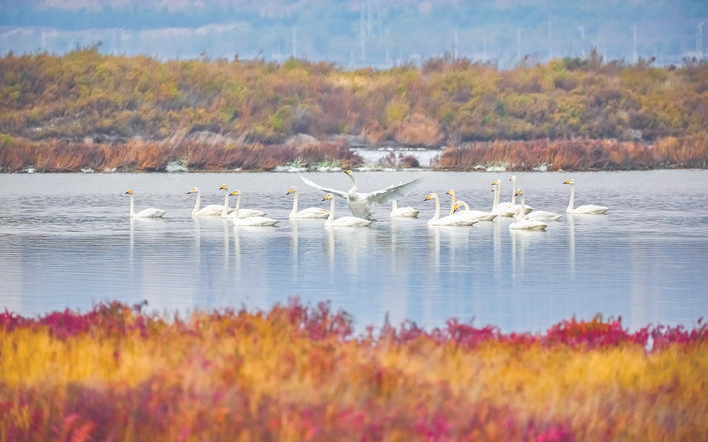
(348, 172)
(432, 195)
(519, 192)
(328, 196)
(569, 182)
(291, 190)
(512, 178)
(451, 192)
(224, 187)
(194, 190)
(495, 182)
(129, 192)
(233, 193)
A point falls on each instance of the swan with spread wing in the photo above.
(361, 204)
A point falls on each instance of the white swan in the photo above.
(210, 210)
(449, 220)
(500, 209)
(515, 206)
(308, 213)
(361, 204)
(150, 212)
(478, 214)
(345, 221)
(243, 213)
(586, 209)
(471, 214)
(403, 212)
(523, 222)
(251, 221)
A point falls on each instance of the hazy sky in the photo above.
(359, 32)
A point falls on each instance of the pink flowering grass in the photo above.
(300, 373)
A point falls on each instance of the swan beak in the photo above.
(325, 198)
(289, 191)
(449, 192)
(518, 192)
(427, 198)
(223, 187)
(129, 192)
(348, 172)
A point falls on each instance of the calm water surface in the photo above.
(66, 241)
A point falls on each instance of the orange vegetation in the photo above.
(297, 373)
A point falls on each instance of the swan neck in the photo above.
(452, 204)
(238, 205)
(132, 211)
(224, 212)
(395, 205)
(522, 213)
(497, 191)
(513, 192)
(330, 218)
(355, 186)
(197, 203)
(571, 204)
(295, 205)
(437, 208)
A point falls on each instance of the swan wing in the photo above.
(310, 183)
(391, 192)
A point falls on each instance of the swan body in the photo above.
(587, 209)
(471, 214)
(308, 213)
(251, 221)
(478, 214)
(243, 213)
(362, 204)
(210, 210)
(403, 212)
(150, 212)
(345, 221)
(523, 222)
(446, 221)
(542, 215)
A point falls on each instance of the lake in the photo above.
(66, 241)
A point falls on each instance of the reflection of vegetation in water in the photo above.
(87, 110)
(297, 373)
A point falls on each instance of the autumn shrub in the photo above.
(300, 372)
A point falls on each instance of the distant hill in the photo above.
(361, 33)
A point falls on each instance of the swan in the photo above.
(523, 222)
(145, 213)
(308, 213)
(243, 213)
(471, 214)
(449, 220)
(360, 203)
(210, 210)
(515, 207)
(500, 209)
(403, 212)
(587, 209)
(251, 221)
(345, 221)
(478, 214)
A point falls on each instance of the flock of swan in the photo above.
(362, 205)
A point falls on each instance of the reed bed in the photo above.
(299, 373)
(212, 152)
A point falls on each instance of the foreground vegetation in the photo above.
(298, 373)
(88, 110)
